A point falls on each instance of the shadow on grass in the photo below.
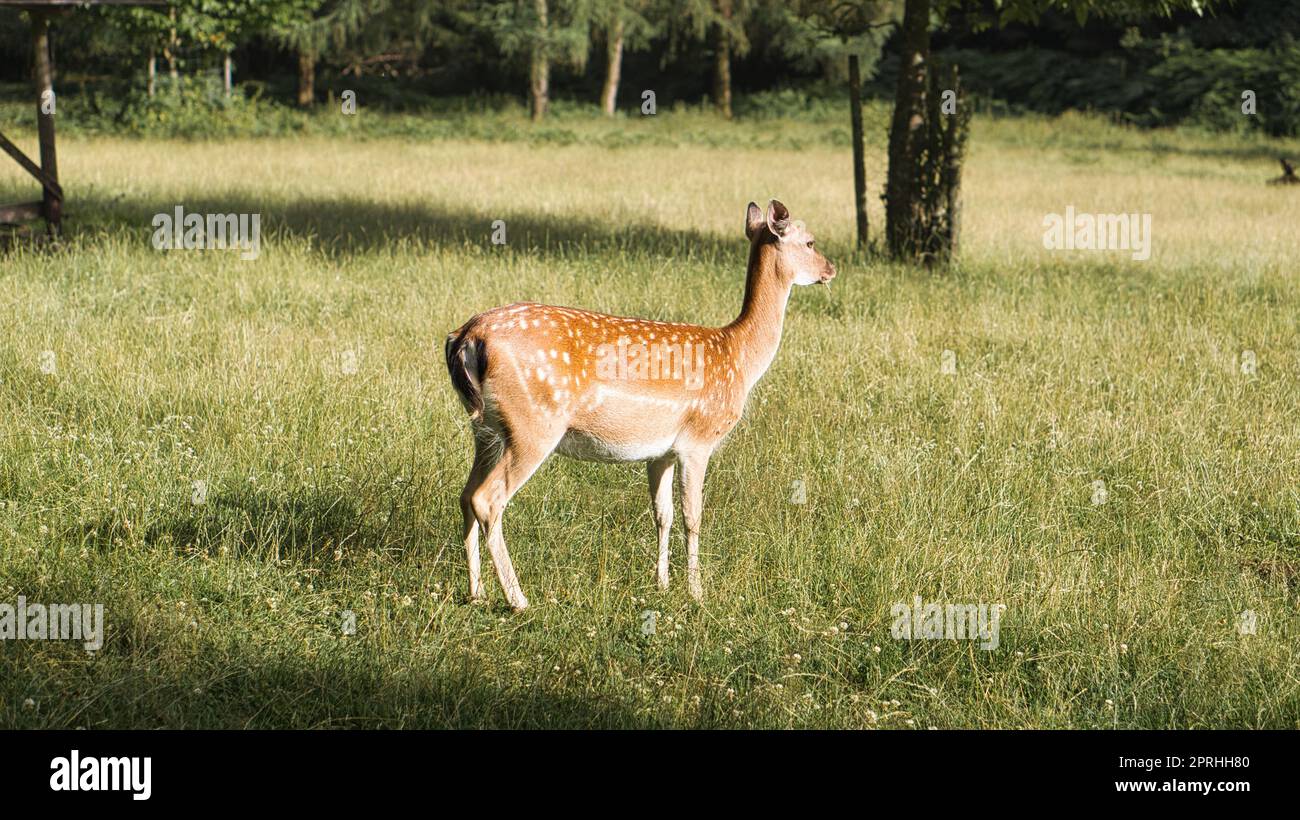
(155, 672)
(220, 688)
(304, 526)
(1265, 154)
(354, 225)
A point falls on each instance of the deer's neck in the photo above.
(755, 335)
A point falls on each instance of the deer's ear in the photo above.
(778, 218)
(753, 220)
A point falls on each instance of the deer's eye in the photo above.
(810, 244)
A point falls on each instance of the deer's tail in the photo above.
(467, 362)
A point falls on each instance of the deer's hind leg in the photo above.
(486, 454)
(520, 457)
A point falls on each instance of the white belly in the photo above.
(587, 447)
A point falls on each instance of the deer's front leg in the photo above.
(661, 501)
(694, 466)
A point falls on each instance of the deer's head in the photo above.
(796, 260)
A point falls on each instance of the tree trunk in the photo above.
(306, 77)
(609, 95)
(907, 134)
(539, 74)
(952, 153)
(859, 164)
(226, 71)
(153, 72)
(173, 43)
(722, 62)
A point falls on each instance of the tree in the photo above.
(922, 191)
(907, 135)
(546, 31)
(722, 22)
(142, 33)
(722, 38)
(539, 62)
(194, 25)
(309, 27)
(624, 23)
(361, 33)
(222, 24)
(834, 30)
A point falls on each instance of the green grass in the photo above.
(332, 491)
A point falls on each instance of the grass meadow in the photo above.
(306, 389)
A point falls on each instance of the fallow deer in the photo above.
(538, 379)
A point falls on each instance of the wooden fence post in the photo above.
(51, 205)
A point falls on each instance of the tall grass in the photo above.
(332, 491)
